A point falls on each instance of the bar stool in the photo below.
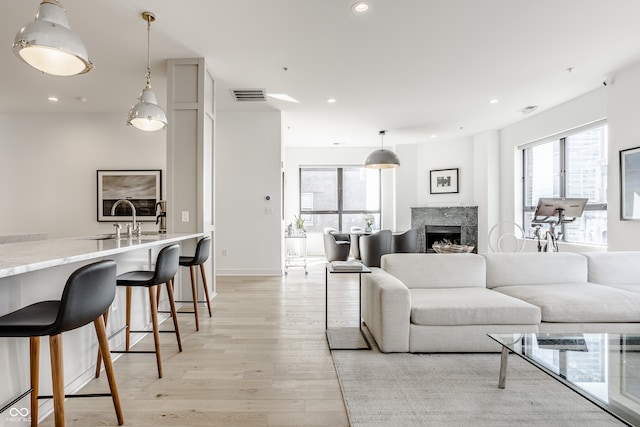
(88, 293)
(199, 258)
(165, 271)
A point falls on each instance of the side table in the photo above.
(295, 247)
(345, 338)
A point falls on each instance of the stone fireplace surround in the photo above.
(464, 216)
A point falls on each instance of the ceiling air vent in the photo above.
(249, 95)
(528, 109)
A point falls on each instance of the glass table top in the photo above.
(604, 368)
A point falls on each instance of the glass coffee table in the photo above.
(603, 368)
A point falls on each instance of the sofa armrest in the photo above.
(386, 309)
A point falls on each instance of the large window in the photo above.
(572, 166)
(339, 198)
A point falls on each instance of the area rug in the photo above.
(407, 390)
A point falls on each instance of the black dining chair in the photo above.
(203, 248)
(87, 295)
(165, 270)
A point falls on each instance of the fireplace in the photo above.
(436, 233)
(463, 218)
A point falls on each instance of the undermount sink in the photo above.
(100, 237)
(122, 237)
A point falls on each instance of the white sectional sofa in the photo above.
(449, 302)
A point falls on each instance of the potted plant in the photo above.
(369, 220)
(299, 221)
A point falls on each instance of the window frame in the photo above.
(562, 160)
(340, 189)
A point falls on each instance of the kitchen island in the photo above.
(38, 270)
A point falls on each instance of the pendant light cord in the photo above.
(148, 75)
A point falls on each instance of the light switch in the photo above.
(185, 216)
(268, 211)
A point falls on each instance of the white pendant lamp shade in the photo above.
(147, 115)
(382, 159)
(49, 45)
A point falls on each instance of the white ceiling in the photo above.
(416, 68)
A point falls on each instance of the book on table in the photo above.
(346, 265)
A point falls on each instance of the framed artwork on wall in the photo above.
(630, 184)
(143, 188)
(443, 181)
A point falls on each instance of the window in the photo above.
(339, 198)
(572, 166)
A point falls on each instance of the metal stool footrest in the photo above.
(71, 396)
(16, 400)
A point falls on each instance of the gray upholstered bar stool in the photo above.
(165, 270)
(88, 293)
(201, 255)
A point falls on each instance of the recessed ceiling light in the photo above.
(53, 99)
(360, 7)
(332, 100)
(493, 101)
(433, 135)
(283, 97)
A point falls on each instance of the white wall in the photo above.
(624, 113)
(433, 155)
(48, 166)
(247, 169)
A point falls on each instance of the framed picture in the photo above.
(444, 181)
(630, 184)
(143, 188)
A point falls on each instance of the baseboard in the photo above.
(247, 272)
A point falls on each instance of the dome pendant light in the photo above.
(49, 45)
(147, 115)
(382, 159)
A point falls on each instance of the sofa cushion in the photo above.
(579, 302)
(469, 306)
(543, 268)
(436, 270)
(618, 269)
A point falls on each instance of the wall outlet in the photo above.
(225, 252)
(185, 216)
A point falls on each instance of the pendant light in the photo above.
(147, 115)
(382, 159)
(49, 45)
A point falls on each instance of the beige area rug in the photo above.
(407, 390)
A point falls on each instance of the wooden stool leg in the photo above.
(206, 288)
(103, 343)
(34, 361)
(105, 317)
(154, 321)
(172, 303)
(57, 377)
(158, 292)
(128, 319)
(194, 293)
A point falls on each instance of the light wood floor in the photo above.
(261, 360)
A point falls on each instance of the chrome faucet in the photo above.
(136, 227)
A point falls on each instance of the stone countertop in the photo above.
(18, 258)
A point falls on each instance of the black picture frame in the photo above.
(443, 181)
(630, 184)
(143, 188)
